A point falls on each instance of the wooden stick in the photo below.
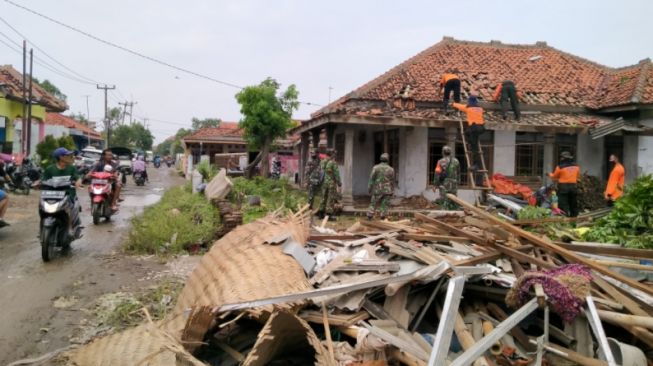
(466, 339)
(569, 255)
(452, 229)
(608, 263)
(327, 333)
(626, 319)
(609, 250)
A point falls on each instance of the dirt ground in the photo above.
(45, 306)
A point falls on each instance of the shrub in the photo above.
(179, 220)
(207, 170)
(274, 193)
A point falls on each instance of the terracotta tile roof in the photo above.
(61, 120)
(13, 86)
(225, 131)
(543, 74)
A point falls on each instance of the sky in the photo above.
(325, 48)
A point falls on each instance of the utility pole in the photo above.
(124, 111)
(29, 105)
(24, 114)
(131, 112)
(88, 118)
(107, 123)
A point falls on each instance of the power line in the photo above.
(133, 52)
(48, 55)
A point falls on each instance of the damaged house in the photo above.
(568, 103)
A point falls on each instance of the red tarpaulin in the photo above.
(503, 185)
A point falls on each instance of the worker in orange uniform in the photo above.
(567, 174)
(475, 126)
(504, 91)
(615, 187)
(450, 83)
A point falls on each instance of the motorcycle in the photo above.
(101, 193)
(139, 178)
(57, 211)
(157, 163)
(19, 180)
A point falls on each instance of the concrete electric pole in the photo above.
(107, 123)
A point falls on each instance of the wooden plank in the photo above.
(569, 255)
(429, 237)
(452, 229)
(327, 333)
(618, 297)
(525, 258)
(516, 332)
(230, 351)
(333, 237)
(609, 250)
(549, 220)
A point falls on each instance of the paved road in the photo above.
(29, 324)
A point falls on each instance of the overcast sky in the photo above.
(313, 44)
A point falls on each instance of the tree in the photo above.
(79, 117)
(46, 147)
(50, 88)
(198, 124)
(135, 137)
(267, 116)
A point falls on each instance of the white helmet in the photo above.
(108, 168)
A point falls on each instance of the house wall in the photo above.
(413, 158)
(630, 159)
(645, 145)
(363, 156)
(590, 154)
(504, 152)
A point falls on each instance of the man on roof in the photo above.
(507, 91)
(450, 83)
(475, 126)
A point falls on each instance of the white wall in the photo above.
(631, 155)
(590, 154)
(413, 160)
(645, 154)
(504, 152)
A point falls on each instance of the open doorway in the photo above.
(614, 144)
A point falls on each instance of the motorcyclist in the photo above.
(63, 167)
(107, 159)
(138, 165)
(157, 160)
(4, 199)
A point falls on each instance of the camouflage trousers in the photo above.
(329, 200)
(448, 186)
(379, 202)
(313, 190)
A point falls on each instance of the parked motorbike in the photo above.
(139, 178)
(19, 180)
(57, 210)
(101, 193)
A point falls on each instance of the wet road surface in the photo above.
(29, 323)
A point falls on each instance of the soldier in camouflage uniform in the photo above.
(381, 186)
(447, 174)
(330, 186)
(313, 177)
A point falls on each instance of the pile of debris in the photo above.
(451, 287)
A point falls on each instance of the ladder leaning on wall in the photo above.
(485, 186)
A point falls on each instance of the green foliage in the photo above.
(179, 220)
(273, 193)
(631, 221)
(533, 213)
(45, 148)
(50, 88)
(135, 137)
(267, 114)
(198, 124)
(207, 170)
(79, 117)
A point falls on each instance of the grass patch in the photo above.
(274, 193)
(180, 220)
(122, 310)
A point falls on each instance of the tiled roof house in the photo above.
(226, 137)
(568, 103)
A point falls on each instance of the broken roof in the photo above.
(543, 74)
(226, 131)
(11, 83)
(61, 120)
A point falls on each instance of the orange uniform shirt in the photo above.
(567, 174)
(615, 187)
(446, 77)
(474, 114)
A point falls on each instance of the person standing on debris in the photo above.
(331, 185)
(615, 188)
(447, 175)
(567, 174)
(313, 177)
(450, 83)
(475, 126)
(381, 186)
(504, 91)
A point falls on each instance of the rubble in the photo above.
(466, 288)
